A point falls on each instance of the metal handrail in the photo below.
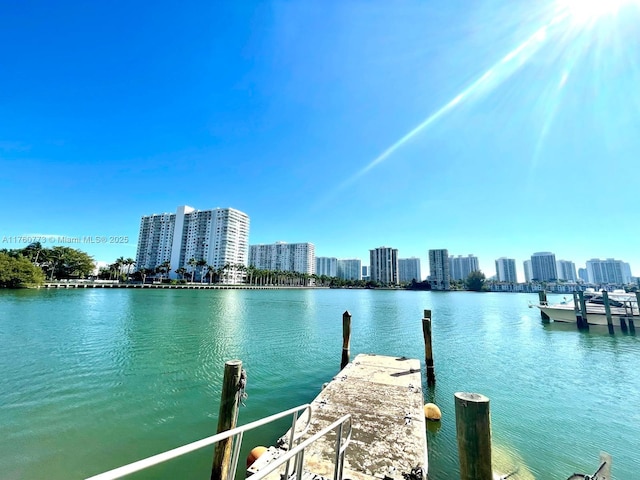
(205, 442)
(297, 453)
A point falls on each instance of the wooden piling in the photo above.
(583, 310)
(577, 311)
(346, 338)
(227, 418)
(607, 310)
(632, 327)
(623, 325)
(473, 431)
(542, 297)
(428, 350)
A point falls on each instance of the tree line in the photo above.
(34, 264)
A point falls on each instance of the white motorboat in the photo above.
(622, 305)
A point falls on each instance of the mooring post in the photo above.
(227, 418)
(473, 431)
(428, 349)
(542, 296)
(346, 338)
(632, 327)
(583, 310)
(607, 310)
(578, 312)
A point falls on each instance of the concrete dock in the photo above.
(384, 397)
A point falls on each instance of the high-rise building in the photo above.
(409, 270)
(543, 266)
(506, 270)
(286, 257)
(583, 275)
(460, 267)
(218, 237)
(327, 266)
(567, 271)
(350, 269)
(439, 269)
(384, 265)
(608, 271)
(528, 271)
(365, 272)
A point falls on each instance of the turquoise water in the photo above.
(93, 379)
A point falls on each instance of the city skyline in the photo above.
(346, 125)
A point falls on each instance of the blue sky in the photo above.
(525, 120)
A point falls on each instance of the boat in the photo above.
(621, 304)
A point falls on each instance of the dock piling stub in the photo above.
(583, 311)
(542, 297)
(607, 310)
(428, 349)
(473, 432)
(227, 418)
(346, 338)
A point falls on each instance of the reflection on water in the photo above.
(93, 379)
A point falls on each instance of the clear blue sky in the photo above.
(525, 119)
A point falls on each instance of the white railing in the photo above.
(237, 433)
(295, 452)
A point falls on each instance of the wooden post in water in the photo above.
(227, 418)
(346, 338)
(607, 310)
(632, 327)
(576, 309)
(473, 431)
(428, 350)
(583, 310)
(542, 297)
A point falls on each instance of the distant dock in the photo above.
(384, 397)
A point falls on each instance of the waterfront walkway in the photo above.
(192, 286)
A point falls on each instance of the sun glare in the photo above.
(588, 11)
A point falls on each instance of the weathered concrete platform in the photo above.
(384, 397)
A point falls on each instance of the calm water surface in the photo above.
(93, 379)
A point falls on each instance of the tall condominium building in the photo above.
(460, 267)
(506, 270)
(327, 266)
(350, 269)
(528, 271)
(543, 265)
(409, 270)
(566, 271)
(583, 275)
(365, 272)
(383, 265)
(439, 269)
(608, 271)
(286, 257)
(219, 237)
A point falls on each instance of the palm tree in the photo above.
(201, 263)
(129, 263)
(165, 267)
(192, 263)
(219, 272)
(119, 263)
(241, 269)
(211, 270)
(181, 272)
(33, 251)
(143, 273)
